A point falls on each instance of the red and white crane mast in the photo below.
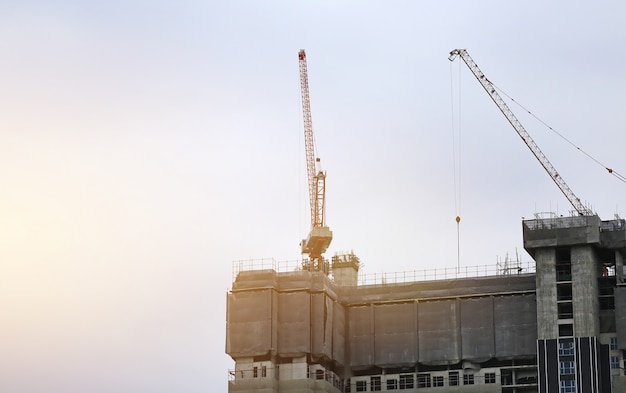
(521, 131)
(320, 236)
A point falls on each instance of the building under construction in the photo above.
(558, 325)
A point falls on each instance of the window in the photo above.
(490, 377)
(263, 371)
(568, 386)
(406, 381)
(565, 310)
(563, 272)
(564, 292)
(348, 388)
(614, 362)
(506, 377)
(613, 343)
(453, 378)
(468, 379)
(319, 374)
(566, 348)
(566, 367)
(438, 380)
(566, 330)
(375, 382)
(392, 384)
(423, 380)
(361, 386)
(255, 372)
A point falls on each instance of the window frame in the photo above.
(407, 381)
(376, 384)
(567, 367)
(568, 386)
(424, 380)
(453, 378)
(468, 379)
(615, 362)
(566, 350)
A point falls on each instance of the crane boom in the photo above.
(521, 131)
(320, 236)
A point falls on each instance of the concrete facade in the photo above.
(577, 270)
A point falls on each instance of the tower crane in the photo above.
(543, 160)
(320, 235)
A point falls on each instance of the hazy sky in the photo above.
(146, 145)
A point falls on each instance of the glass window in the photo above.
(568, 386)
(438, 380)
(566, 348)
(614, 361)
(490, 377)
(613, 343)
(406, 381)
(361, 386)
(423, 380)
(375, 382)
(255, 372)
(263, 371)
(566, 330)
(392, 384)
(566, 367)
(453, 378)
(468, 379)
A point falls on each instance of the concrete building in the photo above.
(556, 325)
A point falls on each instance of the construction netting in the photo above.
(305, 314)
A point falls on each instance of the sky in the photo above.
(147, 145)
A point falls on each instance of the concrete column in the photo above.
(585, 272)
(547, 312)
(346, 276)
(619, 266)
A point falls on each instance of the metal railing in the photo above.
(558, 222)
(508, 268)
(449, 273)
(265, 264)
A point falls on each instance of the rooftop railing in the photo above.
(508, 268)
(448, 273)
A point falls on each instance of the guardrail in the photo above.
(508, 268)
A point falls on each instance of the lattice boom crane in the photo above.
(521, 131)
(320, 236)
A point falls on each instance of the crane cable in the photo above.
(456, 164)
(610, 170)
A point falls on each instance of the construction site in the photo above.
(556, 324)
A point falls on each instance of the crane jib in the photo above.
(521, 131)
(320, 236)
